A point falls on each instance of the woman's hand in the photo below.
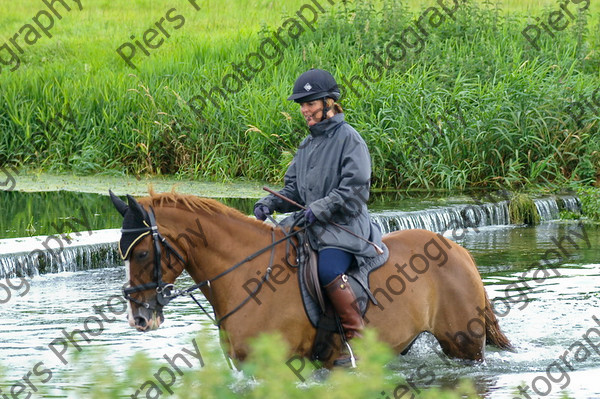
(261, 212)
(309, 216)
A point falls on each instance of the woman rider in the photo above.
(330, 175)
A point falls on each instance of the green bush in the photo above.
(522, 210)
(590, 202)
(265, 376)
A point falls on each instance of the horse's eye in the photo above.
(141, 255)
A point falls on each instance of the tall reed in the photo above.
(477, 106)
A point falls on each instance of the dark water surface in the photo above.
(55, 212)
(26, 214)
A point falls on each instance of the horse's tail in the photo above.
(493, 335)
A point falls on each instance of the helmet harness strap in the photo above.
(325, 109)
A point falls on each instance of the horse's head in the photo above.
(152, 264)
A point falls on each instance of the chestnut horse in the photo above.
(428, 284)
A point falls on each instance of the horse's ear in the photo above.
(136, 207)
(118, 203)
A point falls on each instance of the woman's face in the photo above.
(312, 111)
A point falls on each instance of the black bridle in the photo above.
(167, 292)
(164, 291)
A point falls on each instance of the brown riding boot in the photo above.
(342, 297)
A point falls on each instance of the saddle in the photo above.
(317, 306)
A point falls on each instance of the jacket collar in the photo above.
(328, 126)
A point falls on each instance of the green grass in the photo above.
(513, 129)
(590, 202)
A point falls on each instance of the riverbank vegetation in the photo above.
(471, 103)
(522, 210)
(590, 203)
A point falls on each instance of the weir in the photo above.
(97, 249)
(32, 256)
(443, 219)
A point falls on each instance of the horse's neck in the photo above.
(216, 242)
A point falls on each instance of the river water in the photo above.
(545, 318)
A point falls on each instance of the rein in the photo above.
(265, 277)
(167, 292)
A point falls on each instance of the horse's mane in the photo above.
(195, 203)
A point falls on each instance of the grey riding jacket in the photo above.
(330, 174)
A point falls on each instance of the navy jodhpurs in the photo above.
(332, 263)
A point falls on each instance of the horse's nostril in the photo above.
(141, 321)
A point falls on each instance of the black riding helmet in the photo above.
(314, 84)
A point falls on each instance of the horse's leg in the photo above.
(455, 323)
(429, 284)
(460, 322)
(400, 314)
(461, 340)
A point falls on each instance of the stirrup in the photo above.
(343, 362)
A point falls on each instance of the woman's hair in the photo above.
(337, 108)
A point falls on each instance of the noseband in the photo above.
(164, 292)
